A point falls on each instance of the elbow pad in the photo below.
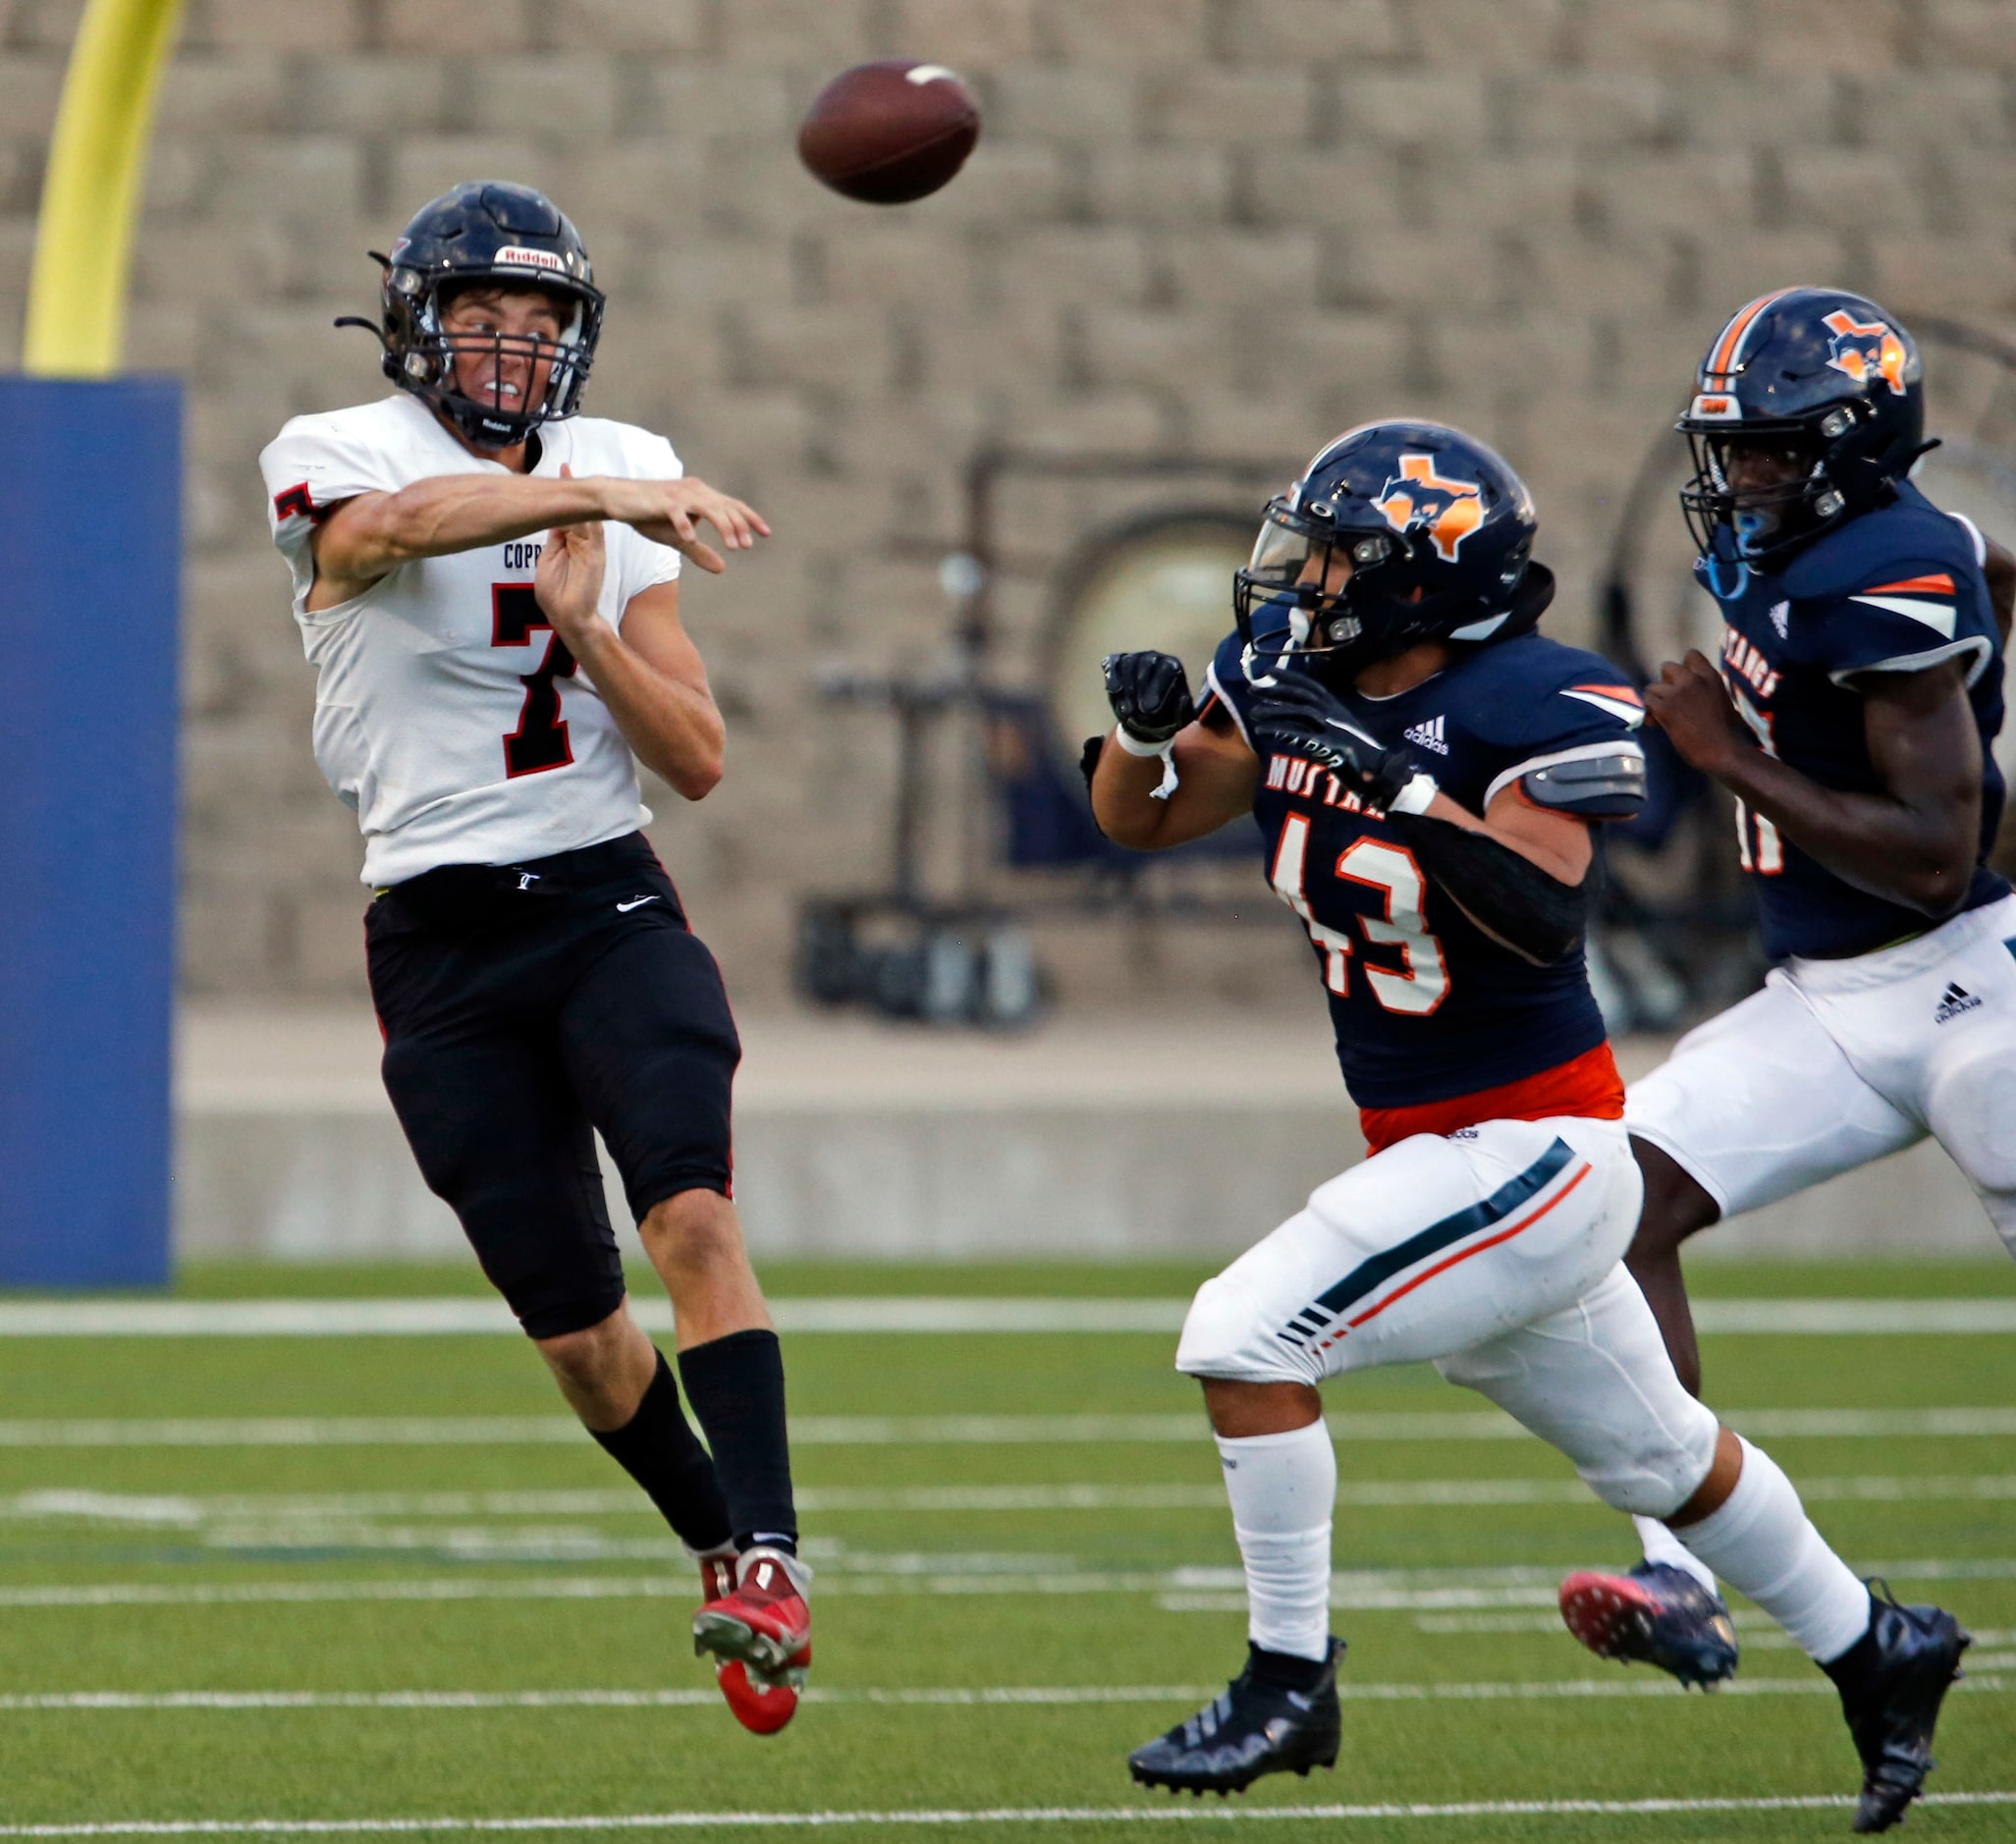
(1506, 894)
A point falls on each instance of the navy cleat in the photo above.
(1892, 1681)
(1258, 1726)
(1656, 1614)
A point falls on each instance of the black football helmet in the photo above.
(1831, 380)
(1437, 531)
(486, 232)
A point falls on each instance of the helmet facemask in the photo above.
(1769, 520)
(424, 353)
(1327, 573)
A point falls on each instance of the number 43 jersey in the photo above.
(448, 714)
(1438, 1026)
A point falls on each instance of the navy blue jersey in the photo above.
(1897, 590)
(1426, 1006)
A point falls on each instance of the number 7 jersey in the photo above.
(1430, 1012)
(448, 714)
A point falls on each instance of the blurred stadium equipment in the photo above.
(891, 131)
(1160, 577)
(91, 487)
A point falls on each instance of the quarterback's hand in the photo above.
(1150, 695)
(568, 583)
(1297, 717)
(669, 511)
(1690, 702)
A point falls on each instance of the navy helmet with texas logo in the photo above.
(1428, 1009)
(1843, 571)
(1437, 530)
(486, 233)
(1830, 381)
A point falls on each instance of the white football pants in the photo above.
(1496, 1253)
(1838, 1063)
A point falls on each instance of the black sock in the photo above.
(1285, 1670)
(736, 1385)
(1851, 1671)
(657, 1449)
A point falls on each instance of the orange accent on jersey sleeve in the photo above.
(1941, 584)
(1623, 693)
(1588, 1085)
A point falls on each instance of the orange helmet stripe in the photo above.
(1722, 360)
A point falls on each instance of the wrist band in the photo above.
(1133, 746)
(1416, 797)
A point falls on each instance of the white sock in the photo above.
(1760, 1540)
(1661, 1546)
(1283, 1489)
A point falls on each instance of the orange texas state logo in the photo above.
(1866, 349)
(1418, 499)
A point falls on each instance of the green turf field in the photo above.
(384, 1610)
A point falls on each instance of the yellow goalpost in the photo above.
(91, 195)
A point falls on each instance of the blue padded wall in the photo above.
(90, 506)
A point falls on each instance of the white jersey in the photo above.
(446, 712)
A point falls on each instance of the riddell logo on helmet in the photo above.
(1866, 349)
(1418, 499)
(530, 258)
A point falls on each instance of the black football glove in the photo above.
(1150, 695)
(1296, 716)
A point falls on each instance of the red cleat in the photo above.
(1657, 1615)
(761, 1705)
(761, 1632)
(717, 1573)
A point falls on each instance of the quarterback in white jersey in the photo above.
(448, 713)
(488, 585)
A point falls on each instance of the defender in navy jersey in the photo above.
(1425, 770)
(1851, 711)
(1430, 1008)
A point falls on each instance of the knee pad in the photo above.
(1222, 1336)
(1656, 1470)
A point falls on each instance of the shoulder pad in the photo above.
(1606, 782)
(1538, 696)
(1907, 538)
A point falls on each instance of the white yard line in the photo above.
(1169, 1813)
(454, 1316)
(1035, 1696)
(879, 1431)
(303, 1516)
(1197, 1590)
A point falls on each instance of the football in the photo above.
(889, 131)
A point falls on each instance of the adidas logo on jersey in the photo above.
(1429, 736)
(1955, 1000)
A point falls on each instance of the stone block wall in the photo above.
(1192, 226)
